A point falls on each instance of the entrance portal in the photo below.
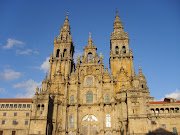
(89, 125)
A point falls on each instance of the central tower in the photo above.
(121, 58)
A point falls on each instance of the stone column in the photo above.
(76, 120)
(101, 120)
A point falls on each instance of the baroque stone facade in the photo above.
(85, 99)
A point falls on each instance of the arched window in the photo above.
(90, 56)
(42, 106)
(107, 98)
(38, 107)
(72, 99)
(64, 53)
(108, 120)
(89, 97)
(117, 50)
(71, 121)
(142, 86)
(124, 49)
(57, 52)
(89, 118)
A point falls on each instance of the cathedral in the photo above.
(83, 98)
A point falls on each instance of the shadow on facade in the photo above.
(49, 117)
(161, 131)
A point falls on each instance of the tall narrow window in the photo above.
(13, 132)
(24, 105)
(27, 114)
(42, 107)
(1, 132)
(28, 105)
(7, 105)
(108, 120)
(57, 53)
(11, 105)
(124, 49)
(72, 99)
(26, 122)
(175, 131)
(89, 97)
(117, 50)
(107, 98)
(38, 107)
(3, 122)
(64, 53)
(15, 105)
(4, 114)
(71, 121)
(90, 56)
(14, 122)
(20, 106)
(3, 105)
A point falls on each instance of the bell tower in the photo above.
(120, 55)
(61, 61)
(121, 58)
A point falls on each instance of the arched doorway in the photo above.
(89, 125)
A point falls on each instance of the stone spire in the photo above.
(65, 33)
(118, 29)
(66, 26)
(140, 73)
(45, 79)
(118, 26)
(90, 41)
(140, 70)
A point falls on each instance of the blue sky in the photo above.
(28, 28)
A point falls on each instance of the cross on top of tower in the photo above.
(67, 14)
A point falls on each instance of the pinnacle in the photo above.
(66, 26)
(140, 70)
(67, 14)
(117, 23)
(90, 41)
(89, 35)
(106, 69)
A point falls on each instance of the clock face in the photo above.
(89, 81)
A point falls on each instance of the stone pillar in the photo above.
(76, 120)
(101, 121)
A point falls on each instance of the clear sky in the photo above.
(28, 28)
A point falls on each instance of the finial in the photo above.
(116, 11)
(134, 72)
(106, 69)
(73, 69)
(46, 75)
(37, 89)
(90, 41)
(51, 55)
(89, 34)
(67, 14)
(140, 71)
